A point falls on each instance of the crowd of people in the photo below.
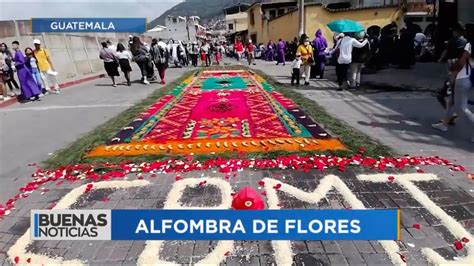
(34, 70)
(160, 55)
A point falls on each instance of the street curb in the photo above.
(62, 85)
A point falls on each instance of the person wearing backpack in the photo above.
(159, 53)
(462, 70)
(142, 57)
(453, 51)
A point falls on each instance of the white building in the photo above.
(180, 28)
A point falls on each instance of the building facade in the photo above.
(236, 22)
(182, 28)
(317, 16)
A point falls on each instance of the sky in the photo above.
(21, 9)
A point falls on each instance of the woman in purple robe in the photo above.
(281, 52)
(319, 51)
(28, 86)
(269, 51)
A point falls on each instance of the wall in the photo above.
(285, 27)
(317, 18)
(466, 11)
(73, 55)
(239, 20)
(259, 27)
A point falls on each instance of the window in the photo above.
(413, 19)
(252, 18)
(175, 20)
(231, 26)
(281, 12)
(272, 13)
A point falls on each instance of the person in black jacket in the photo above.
(359, 57)
(406, 49)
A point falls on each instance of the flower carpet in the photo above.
(218, 112)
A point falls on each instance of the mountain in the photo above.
(205, 9)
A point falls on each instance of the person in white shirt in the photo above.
(345, 46)
(205, 57)
(462, 69)
(111, 46)
(295, 70)
(194, 52)
(124, 57)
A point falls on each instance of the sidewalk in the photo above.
(399, 119)
(422, 76)
(65, 84)
(32, 132)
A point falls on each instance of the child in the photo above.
(295, 72)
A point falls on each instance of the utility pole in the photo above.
(301, 17)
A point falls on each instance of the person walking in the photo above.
(141, 56)
(111, 62)
(205, 50)
(218, 53)
(250, 49)
(453, 51)
(29, 90)
(281, 52)
(270, 53)
(9, 68)
(45, 66)
(359, 57)
(320, 45)
(345, 46)
(6, 94)
(306, 51)
(239, 48)
(32, 65)
(124, 58)
(462, 70)
(295, 70)
(194, 53)
(160, 57)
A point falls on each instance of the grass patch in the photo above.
(74, 153)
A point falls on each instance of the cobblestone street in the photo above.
(421, 226)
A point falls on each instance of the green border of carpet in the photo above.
(352, 138)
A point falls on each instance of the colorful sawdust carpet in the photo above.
(217, 112)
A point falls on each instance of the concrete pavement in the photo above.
(399, 119)
(32, 132)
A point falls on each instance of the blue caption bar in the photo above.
(132, 25)
(255, 225)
